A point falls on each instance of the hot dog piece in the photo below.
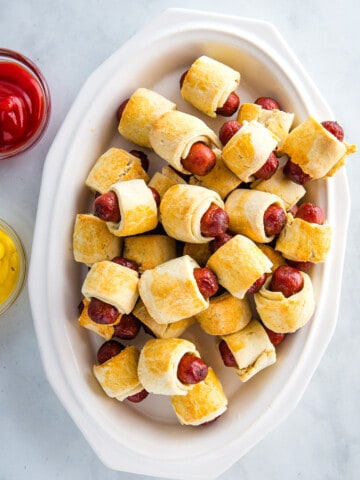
(228, 130)
(267, 103)
(200, 159)
(311, 213)
(275, 338)
(106, 207)
(334, 128)
(226, 355)
(108, 350)
(191, 369)
(206, 281)
(209, 86)
(219, 241)
(128, 327)
(120, 109)
(295, 173)
(214, 222)
(269, 168)
(287, 280)
(255, 287)
(126, 262)
(230, 106)
(102, 312)
(274, 220)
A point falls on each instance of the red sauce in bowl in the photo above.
(24, 104)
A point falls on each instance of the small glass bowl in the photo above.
(5, 305)
(12, 57)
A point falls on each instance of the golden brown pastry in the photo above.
(148, 251)
(226, 314)
(137, 206)
(112, 283)
(118, 376)
(303, 241)
(170, 292)
(182, 208)
(158, 364)
(203, 403)
(289, 192)
(208, 83)
(285, 314)
(220, 179)
(277, 121)
(173, 134)
(246, 209)
(92, 240)
(113, 166)
(252, 350)
(165, 330)
(275, 257)
(142, 109)
(105, 331)
(248, 149)
(238, 264)
(165, 179)
(200, 252)
(314, 149)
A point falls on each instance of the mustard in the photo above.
(9, 266)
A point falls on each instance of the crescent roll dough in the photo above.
(313, 148)
(289, 191)
(137, 206)
(148, 251)
(142, 109)
(285, 314)
(226, 314)
(113, 166)
(165, 179)
(118, 376)
(112, 283)
(277, 121)
(92, 240)
(304, 241)
(208, 83)
(173, 134)
(203, 403)
(105, 331)
(166, 330)
(158, 364)
(170, 292)
(248, 149)
(238, 264)
(246, 209)
(182, 208)
(220, 179)
(252, 350)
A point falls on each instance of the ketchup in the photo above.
(24, 104)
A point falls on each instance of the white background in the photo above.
(68, 40)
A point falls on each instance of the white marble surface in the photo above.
(68, 40)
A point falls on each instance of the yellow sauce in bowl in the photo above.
(12, 266)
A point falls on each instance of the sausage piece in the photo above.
(269, 168)
(126, 262)
(275, 338)
(101, 312)
(287, 280)
(138, 397)
(214, 222)
(200, 159)
(230, 106)
(109, 349)
(191, 369)
(228, 130)
(334, 128)
(274, 220)
(226, 355)
(219, 241)
(255, 287)
(295, 173)
(311, 213)
(206, 281)
(128, 327)
(106, 207)
(267, 103)
(121, 109)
